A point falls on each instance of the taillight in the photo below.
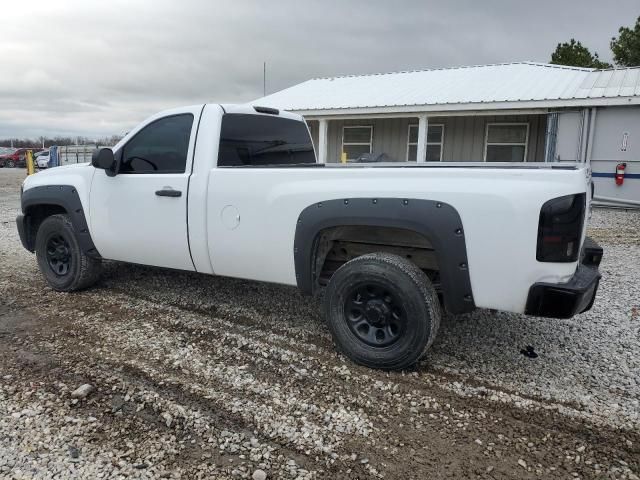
(560, 229)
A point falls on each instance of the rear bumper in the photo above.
(564, 300)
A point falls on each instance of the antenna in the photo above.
(264, 79)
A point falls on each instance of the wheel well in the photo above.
(36, 215)
(337, 245)
(430, 231)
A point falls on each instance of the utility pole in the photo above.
(264, 79)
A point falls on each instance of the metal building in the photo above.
(515, 112)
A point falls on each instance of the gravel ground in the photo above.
(200, 377)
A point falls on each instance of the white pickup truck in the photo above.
(236, 191)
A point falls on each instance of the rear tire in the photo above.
(62, 262)
(382, 311)
(10, 164)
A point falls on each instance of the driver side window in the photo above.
(160, 147)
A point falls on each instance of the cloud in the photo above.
(97, 68)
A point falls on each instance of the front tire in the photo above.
(62, 262)
(382, 311)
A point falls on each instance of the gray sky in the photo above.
(95, 67)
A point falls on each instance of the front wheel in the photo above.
(61, 260)
(382, 310)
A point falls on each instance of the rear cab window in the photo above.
(256, 140)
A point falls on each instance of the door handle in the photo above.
(168, 192)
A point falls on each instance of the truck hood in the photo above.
(62, 169)
(59, 175)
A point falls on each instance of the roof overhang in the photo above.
(500, 108)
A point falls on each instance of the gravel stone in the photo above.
(82, 391)
(259, 475)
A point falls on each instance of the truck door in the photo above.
(140, 214)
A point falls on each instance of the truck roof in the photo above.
(251, 109)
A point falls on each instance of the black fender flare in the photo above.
(64, 196)
(437, 221)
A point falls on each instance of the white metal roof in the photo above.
(480, 87)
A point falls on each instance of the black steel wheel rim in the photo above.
(58, 255)
(375, 314)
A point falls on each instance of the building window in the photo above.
(435, 141)
(356, 141)
(506, 142)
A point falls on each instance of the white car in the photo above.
(236, 191)
(42, 159)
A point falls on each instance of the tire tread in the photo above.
(426, 289)
(89, 269)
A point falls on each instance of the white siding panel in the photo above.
(611, 124)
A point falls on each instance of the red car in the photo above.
(17, 158)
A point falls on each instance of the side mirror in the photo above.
(104, 159)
